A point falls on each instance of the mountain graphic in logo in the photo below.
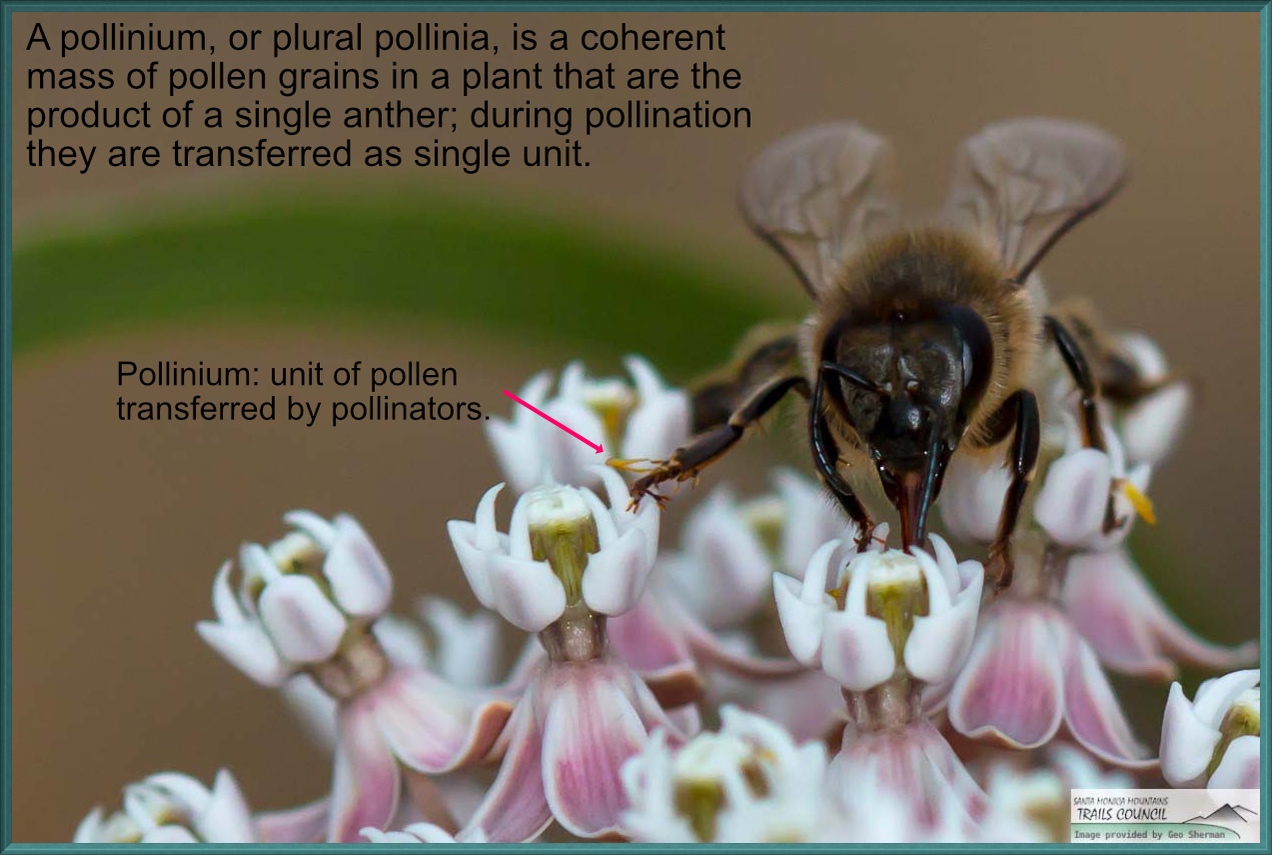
(1227, 813)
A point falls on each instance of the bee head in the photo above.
(906, 383)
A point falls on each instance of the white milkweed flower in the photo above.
(174, 808)
(565, 566)
(298, 597)
(615, 552)
(749, 782)
(1213, 740)
(890, 613)
(643, 419)
(311, 608)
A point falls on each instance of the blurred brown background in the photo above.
(119, 529)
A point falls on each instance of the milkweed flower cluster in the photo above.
(905, 701)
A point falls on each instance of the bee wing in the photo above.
(816, 194)
(1024, 183)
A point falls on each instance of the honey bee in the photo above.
(925, 339)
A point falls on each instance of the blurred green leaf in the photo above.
(415, 261)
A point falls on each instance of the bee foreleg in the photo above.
(826, 459)
(687, 462)
(1019, 413)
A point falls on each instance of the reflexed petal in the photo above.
(468, 646)
(615, 577)
(304, 625)
(1011, 687)
(1129, 627)
(305, 824)
(1239, 768)
(527, 593)
(364, 790)
(645, 639)
(1071, 503)
(314, 707)
(1152, 426)
(360, 580)
(590, 731)
(1092, 712)
(856, 650)
(801, 621)
(515, 808)
(432, 726)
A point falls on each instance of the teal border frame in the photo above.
(8, 7)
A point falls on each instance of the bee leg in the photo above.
(1092, 430)
(687, 462)
(1075, 360)
(826, 459)
(1019, 413)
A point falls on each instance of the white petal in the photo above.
(811, 519)
(468, 646)
(1216, 695)
(224, 603)
(856, 650)
(1071, 504)
(1152, 426)
(1187, 742)
(939, 642)
(517, 449)
(615, 577)
(473, 560)
(247, 648)
(90, 827)
(360, 580)
(801, 620)
(527, 593)
(225, 818)
(1239, 768)
(315, 527)
(304, 625)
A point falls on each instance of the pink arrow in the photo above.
(580, 437)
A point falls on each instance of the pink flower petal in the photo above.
(1011, 687)
(590, 731)
(1129, 627)
(1092, 712)
(304, 824)
(645, 640)
(435, 727)
(1239, 768)
(515, 808)
(366, 780)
